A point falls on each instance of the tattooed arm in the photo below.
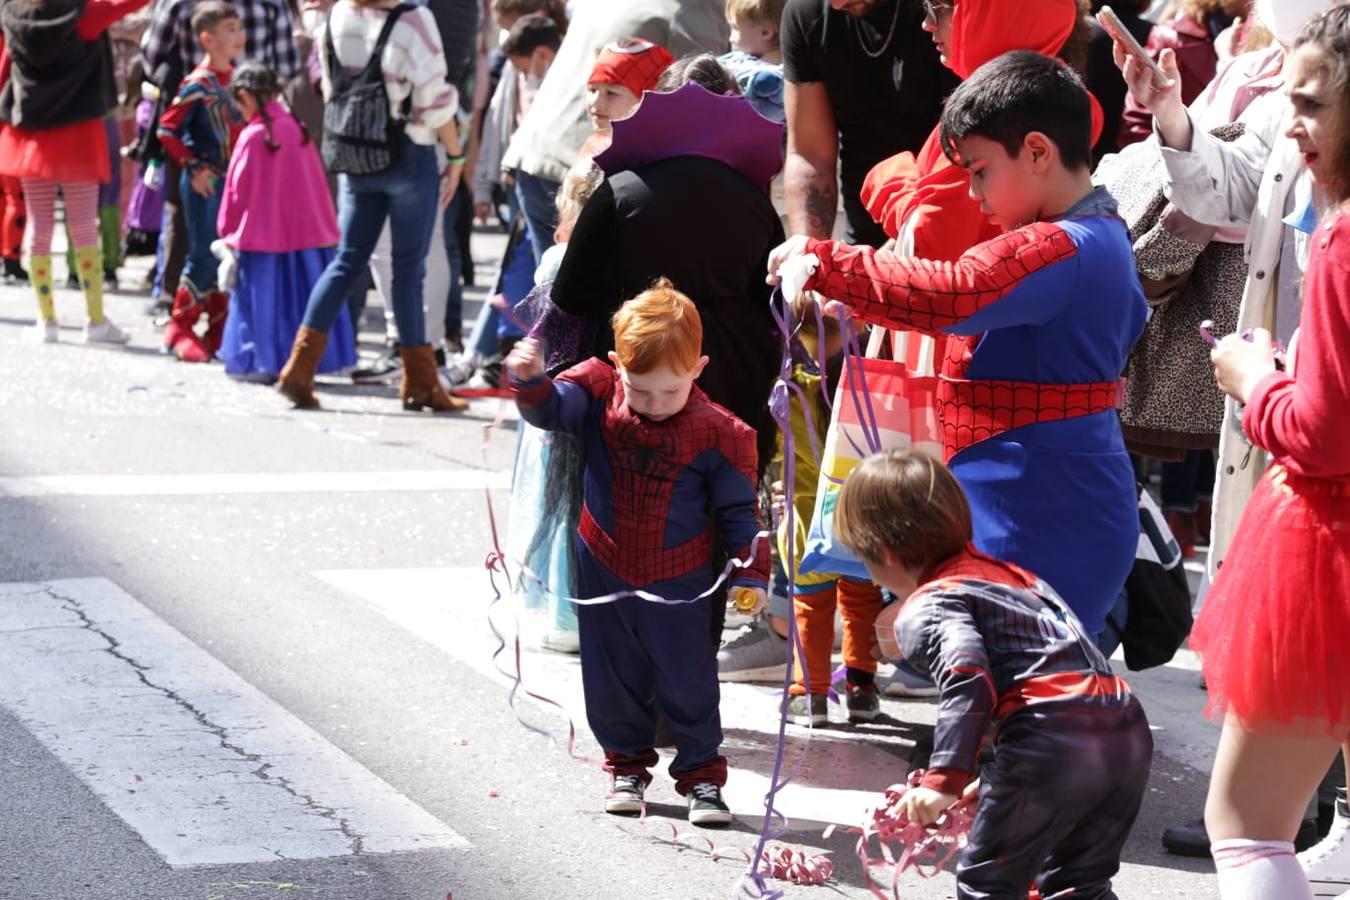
(811, 171)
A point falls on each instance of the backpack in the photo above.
(1158, 605)
(361, 136)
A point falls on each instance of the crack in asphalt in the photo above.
(263, 771)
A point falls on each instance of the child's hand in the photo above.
(886, 645)
(924, 806)
(1240, 364)
(203, 182)
(526, 360)
(761, 601)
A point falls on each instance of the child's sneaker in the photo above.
(44, 333)
(104, 332)
(808, 710)
(864, 702)
(625, 795)
(907, 683)
(706, 806)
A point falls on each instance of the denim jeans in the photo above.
(536, 198)
(408, 196)
(199, 214)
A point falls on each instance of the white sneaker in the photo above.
(905, 683)
(44, 333)
(1327, 863)
(105, 332)
(560, 641)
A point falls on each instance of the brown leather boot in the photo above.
(421, 388)
(296, 382)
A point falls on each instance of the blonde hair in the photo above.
(660, 326)
(770, 11)
(905, 504)
(580, 182)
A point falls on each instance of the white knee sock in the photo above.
(1259, 870)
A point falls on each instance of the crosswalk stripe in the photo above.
(206, 768)
(167, 485)
(842, 773)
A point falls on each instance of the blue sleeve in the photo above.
(553, 405)
(736, 505)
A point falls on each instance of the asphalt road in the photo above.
(244, 652)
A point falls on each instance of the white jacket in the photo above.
(1243, 183)
(498, 125)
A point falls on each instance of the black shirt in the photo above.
(882, 106)
(709, 230)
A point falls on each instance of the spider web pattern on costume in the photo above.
(647, 458)
(905, 293)
(975, 411)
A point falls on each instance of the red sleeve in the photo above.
(99, 14)
(933, 196)
(947, 781)
(936, 297)
(1300, 417)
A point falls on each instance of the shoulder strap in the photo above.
(389, 22)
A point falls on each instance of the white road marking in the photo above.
(442, 479)
(841, 775)
(206, 768)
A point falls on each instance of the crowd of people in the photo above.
(703, 200)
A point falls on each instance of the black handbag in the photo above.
(1158, 595)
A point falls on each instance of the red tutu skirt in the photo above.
(76, 152)
(1274, 633)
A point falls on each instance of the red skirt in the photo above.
(1274, 633)
(76, 152)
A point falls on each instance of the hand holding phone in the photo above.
(1112, 25)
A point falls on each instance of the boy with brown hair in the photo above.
(1072, 747)
(198, 132)
(659, 459)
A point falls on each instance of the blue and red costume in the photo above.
(1072, 746)
(659, 498)
(1040, 322)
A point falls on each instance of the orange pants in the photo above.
(859, 604)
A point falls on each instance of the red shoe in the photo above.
(179, 334)
(217, 309)
(1182, 525)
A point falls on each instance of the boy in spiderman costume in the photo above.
(662, 465)
(1040, 322)
(1072, 747)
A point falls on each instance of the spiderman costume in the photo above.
(658, 497)
(1041, 321)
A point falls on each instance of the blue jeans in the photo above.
(536, 198)
(199, 214)
(408, 196)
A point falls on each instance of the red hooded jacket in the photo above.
(930, 188)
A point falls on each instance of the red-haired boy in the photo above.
(661, 462)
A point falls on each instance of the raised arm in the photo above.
(1024, 277)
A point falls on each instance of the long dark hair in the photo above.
(262, 83)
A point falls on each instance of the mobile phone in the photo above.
(1107, 18)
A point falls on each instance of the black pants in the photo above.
(174, 234)
(1057, 802)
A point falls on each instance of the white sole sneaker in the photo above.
(623, 806)
(105, 332)
(561, 642)
(44, 333)
(1327, 864)
(767, 674)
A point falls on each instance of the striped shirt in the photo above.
(269, 34)
(413, 63)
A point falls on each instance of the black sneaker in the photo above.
(625, 795)
(110, 280)
(706, 806)
(387, 368)
(864, 702)
(14, 272)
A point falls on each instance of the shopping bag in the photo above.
(880, 404)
